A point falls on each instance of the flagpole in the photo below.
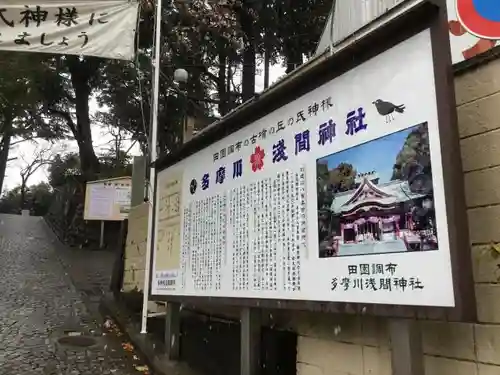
(152, 153)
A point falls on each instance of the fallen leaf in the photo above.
(142, 368)
(495, 247)
(128, 346)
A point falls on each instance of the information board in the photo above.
(108, 200)
(338, 196)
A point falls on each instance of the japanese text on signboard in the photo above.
(77, 28)
(374, 277)
(326, 132)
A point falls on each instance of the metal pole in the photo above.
(152, 153)
(101, 240)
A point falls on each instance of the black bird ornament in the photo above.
(387, 109)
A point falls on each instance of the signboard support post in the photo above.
(138, 179)
(172, 330)
(118, 267)
(406, 347)
(101, 239)
(250, 341)
(152, 157)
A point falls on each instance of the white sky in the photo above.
(101, 139)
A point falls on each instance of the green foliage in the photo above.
(207, 40)
(415, 153)
(329, 182)
(292, 29)
(38, 198)
(48, 96)
(10, 202)
(113, 165)
(21, 97)
(17, 75)
(342, 177)
(66, 168)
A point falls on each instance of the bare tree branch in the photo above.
(40, 158)
(22, 140)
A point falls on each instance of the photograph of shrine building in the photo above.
(377, 197)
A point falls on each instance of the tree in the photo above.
(40, 158)
(68, 86)
(414, 156)
(342, 178)
(210, 40)
(203, 38)
(10, 202)
(332, 181)
(63, 167)
(300, 24)
(325, 196)
(21, 115)
(116, 155)
(38, 198)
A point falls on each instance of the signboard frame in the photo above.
(428, 15)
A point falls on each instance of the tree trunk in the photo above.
(293, 55)
(5, 146)
(229, 91)
(23, 191)
(267, 60)
(80, 74)
(248, 74)
(292, 49)
(221, 82)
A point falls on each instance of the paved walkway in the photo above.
(39, 304)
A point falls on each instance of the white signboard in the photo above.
(337, 196)
(108, 199)
(104, 28)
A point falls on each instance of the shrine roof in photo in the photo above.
(386, 194)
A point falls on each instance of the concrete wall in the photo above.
(342, 345)
(135, 251)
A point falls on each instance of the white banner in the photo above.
(104, 28)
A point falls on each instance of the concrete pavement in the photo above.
(39, 304)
